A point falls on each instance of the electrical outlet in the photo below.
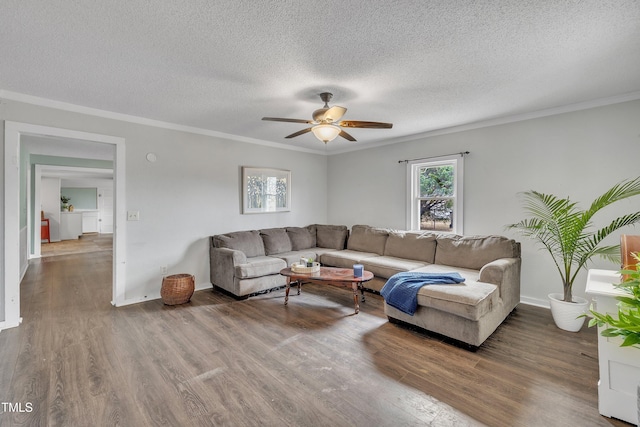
(163, 270)
(133, 216)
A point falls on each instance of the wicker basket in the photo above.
(177, 288)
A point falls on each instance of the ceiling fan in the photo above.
(326, 125)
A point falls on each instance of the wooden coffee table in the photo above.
(329, 276)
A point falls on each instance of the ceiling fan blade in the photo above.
(280, 119)
(334, 114)
(300, 132)
(346, 136)
(361, 124)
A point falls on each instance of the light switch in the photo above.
(133, 216)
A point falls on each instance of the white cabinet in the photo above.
(619, 367)
(70, 225)
(90, 221)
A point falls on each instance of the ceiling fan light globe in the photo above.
(326, 133)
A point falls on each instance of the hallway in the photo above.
(90, 242)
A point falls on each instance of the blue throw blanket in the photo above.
(401, 290)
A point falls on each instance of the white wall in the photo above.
(191, 192)
(579, 154)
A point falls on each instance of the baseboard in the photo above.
(200, 287)
(6, 325)
(535, 302)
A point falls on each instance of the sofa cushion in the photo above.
(468, 299)
(473, 251)
(331, 236)
(259, 266)
(321, 251)
(294, 256)
(301, 238)
(367, 239)
(276, 240)
(248, 242)
(469, 275)
(419, 247)
(386, 266)
(345, 258)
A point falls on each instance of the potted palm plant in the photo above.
(565, 231)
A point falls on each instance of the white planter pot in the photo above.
(565, 314)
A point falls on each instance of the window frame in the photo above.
(413, 191)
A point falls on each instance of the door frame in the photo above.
(11, 231)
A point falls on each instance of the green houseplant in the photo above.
(565, 231)
(627, 325)
(65, 202)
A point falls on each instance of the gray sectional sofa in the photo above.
(247, 262)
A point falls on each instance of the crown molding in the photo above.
(44, 102)
(50, 103)
(601, 102)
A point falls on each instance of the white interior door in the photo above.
(105, 206)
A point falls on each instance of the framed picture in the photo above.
(265, 190)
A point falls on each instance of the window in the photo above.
(435, 195)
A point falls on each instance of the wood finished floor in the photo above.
(90, 242)
(220, 362)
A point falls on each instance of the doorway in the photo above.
(14, 236)
(49, 185)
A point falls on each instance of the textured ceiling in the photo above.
(223, 65)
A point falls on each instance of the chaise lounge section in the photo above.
(468, 312)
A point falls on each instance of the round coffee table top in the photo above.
(329, 274)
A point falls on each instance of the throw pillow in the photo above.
(301, 238)
(276, 240)
(364, 238)
(331, 236)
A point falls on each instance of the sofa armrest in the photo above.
(222, 266)
(505, 274)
